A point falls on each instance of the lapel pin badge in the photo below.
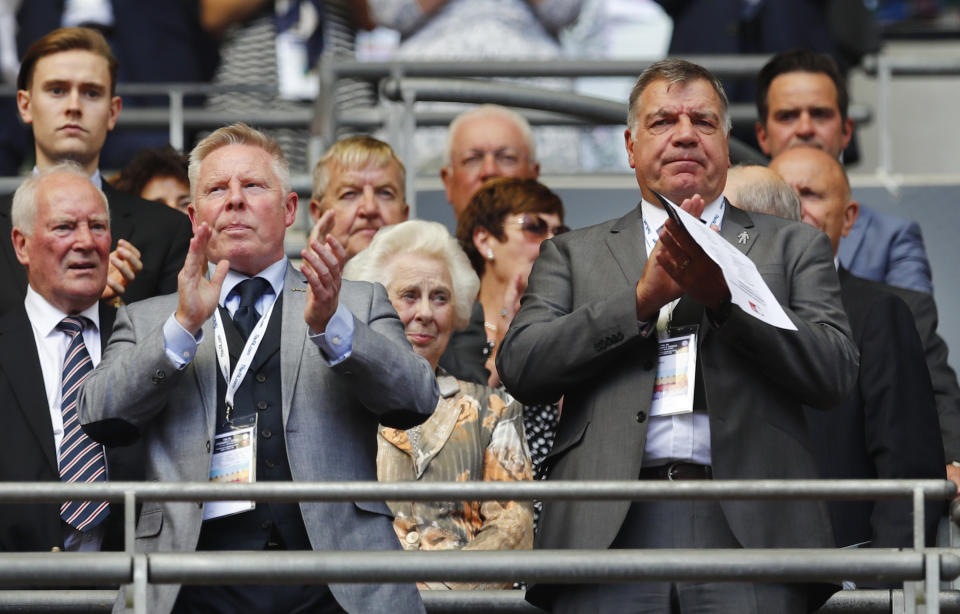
(298, 289)
(743, 237)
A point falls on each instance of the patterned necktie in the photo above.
(81, 458)
(246, 316)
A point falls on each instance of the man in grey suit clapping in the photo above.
(252, 350)
(609, 321)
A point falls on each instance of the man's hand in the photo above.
(124, 265)
(322, 266)
(198, 295)
(953, 474)
(689, 269)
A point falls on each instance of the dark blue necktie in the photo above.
(81, 458)
(246, 316)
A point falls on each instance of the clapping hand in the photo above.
(323, 260)
(198, 296)
(125, 263)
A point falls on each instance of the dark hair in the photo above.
(800, 60)
(66, 39)
(149, 163)
(496, 199)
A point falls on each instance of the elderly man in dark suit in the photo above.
(61, 236)
(252, 348)
(887, 427)
(599, 307)
(66, 94)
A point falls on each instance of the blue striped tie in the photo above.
(81, 458)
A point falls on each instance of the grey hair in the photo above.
(355, 153)
(430, 239)
(675, 70)
(23, 212)
(238, 134)
(768, 194)
(491, 110)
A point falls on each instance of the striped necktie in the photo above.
(81, 458)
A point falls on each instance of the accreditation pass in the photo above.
(676, 375)
(233, 461)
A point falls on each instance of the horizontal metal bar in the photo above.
(481, 602)
(30, 492)
(720, 65)
(548, 566)
(914, 65)
(57, 601)
(159, 117)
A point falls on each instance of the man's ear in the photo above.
(20, 246)
(850, 217)
(116, 105)
(23, 106)
(628, 143)
(446, 176)
(847, 131)
(762, 137)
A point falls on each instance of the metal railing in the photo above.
(920, 565)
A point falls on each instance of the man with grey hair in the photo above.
(302, 362)
(608, 322)
(358, 187)
(61, 236)
(758, 189)
(486, 142)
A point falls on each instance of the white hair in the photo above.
(23, 212)
(430, 239)
(491, 110)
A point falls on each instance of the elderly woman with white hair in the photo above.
(476, 432)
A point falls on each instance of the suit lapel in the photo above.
(293, 335)
(625, 242)
(121, 221)
(206, 373)
(738, 229)
(26, 379)
(108, 314)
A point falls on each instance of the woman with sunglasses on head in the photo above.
(501, 231)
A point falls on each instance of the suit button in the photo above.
(161, 374)
(56, 549)
(261, 377)
(261, 405)
(208, 445)
(641, 416)
(269, 463)
(412, 538)
(266, 433)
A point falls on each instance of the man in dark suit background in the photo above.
(887, 428)
(62, 237)
(66, 94)
(802, 100)
(599, 302)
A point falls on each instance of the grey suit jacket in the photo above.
(330, 416)
(577, 335)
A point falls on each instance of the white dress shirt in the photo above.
(52, 347)
(683, 437)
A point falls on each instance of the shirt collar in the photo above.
(657, 217)
(45, 317)
(95, 178)
(274, 274)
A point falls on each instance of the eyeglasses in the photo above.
(505, 158)
(535, 227)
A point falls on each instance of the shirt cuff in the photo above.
(179, 344)
(336, 343)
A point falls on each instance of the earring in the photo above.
(489, 254)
